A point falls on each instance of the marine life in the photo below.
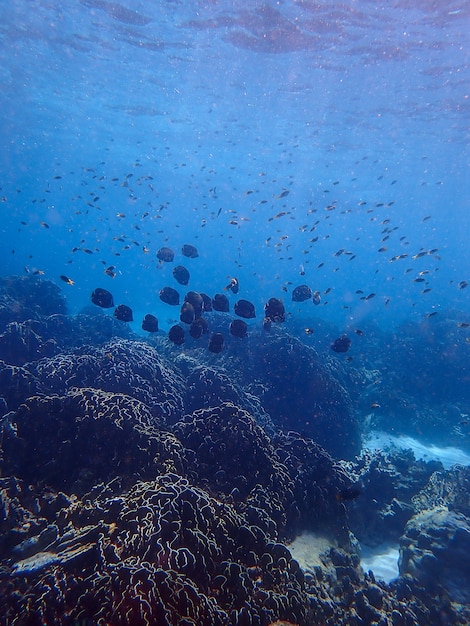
(220, 303)
(196, 300)
(316, 298)
(150, 323)
(176, 335)
(301, 293)
(181, 274)
(67, 280)
(216, 343)
(198, 328)
(189, 251)
(341, 344)
(233, 285)
(165, 254)
(124, 313)
(206, 302)
(274, 310)
(238, 328)
(187, 314)
(102, 298)
(245, 309)
(168, 295)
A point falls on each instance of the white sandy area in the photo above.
(382, 561)
(447, 455)
(307, 549)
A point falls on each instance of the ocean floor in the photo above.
(307, 550)
(448, 456)
(382, 560)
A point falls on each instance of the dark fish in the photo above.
(238, 328)
(109, 271)
(102, 298)
(274, 310)
(176, 335)
(198, 328)
(341, 344)
(267, 323)
(220, 303)
(168, 295)
(187, 313)
(165, 254)
(233, 285)
(189, 251)
(245, 309)
(216, 343)
(124, 313)
(462, 284)
(67, 280)
(347, 494)
(181, 274)
(359, 332)
(301, 293)
(316, 297)
(150, 323)
(206, 302)
(196, 301)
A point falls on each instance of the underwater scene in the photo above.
(234, 313)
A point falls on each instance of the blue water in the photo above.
(222, 107)
(292, 142)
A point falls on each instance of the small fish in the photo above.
(198, 328)
(176, 335)
(165, 254)
(238, 328)
(189, 251)
(123, 313)
(102, 298)
(216, 343)
(44, 225)
(233, 285)
(462, 284)
(187, 314)
(181, 275)
(341, 344)
(309, 331)
(274, 312)
(316, 298)
(109, 271)
(359, 332)
(375, 405)
(220, 303)
(150, 323)
(67, 280)
(463, 325)
(245, 309)
(301, 293)
(168, 295)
